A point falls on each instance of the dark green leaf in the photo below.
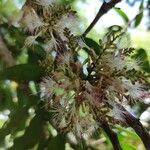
(139, 17)
(31, 135)
(22, 72)
(57, 143)
(142, 56)
(16, 122)
(92, 44)
(36, 53)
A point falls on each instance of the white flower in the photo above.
(116, 62)
(136, 90)
(116, 111)
(46, 2)
(133, 63)
(30, 20)
(48, 86)
(66, 58)
(68, 21)
(124, 41)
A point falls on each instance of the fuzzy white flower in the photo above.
(124, 41)
(48, 86)
(116, 62)
(68, 21)
(66, 58)
(117, 112)
(46, 2)
(133, 63)
(136, 90)
(31, 20)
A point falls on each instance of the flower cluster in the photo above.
(43, 18)
(75, 98)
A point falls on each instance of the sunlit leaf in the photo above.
(122, 14)
(139, 17)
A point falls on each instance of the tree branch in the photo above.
(103, 10)
(112, 135)
(135, 123)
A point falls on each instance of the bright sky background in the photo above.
(90, 8)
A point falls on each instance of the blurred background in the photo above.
(17, 113)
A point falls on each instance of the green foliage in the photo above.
(7, 8)
(122, 14)
(139, 17)
(92, 44)
(28, 123)
(22, 72)
(57, 142)
(142, 55)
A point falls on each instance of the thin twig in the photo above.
(103, 10)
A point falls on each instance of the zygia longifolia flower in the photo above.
(70, 22)
(124, 41)
(66, 58)
(134, 63)
(46, 2)
(94, 94)
(31, 20)
(136, 90)
(117, 111)
(114, 60)
(77, 98)
(48, 86)
(50, 18)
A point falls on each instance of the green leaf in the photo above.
(36, 53)
(57, 143)
(122, 14)
(6, 99)
(15, 123)
(31, 136)
(139, 17)
(92, 44)
(142, 55)
(22, 72)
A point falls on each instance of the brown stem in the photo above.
(112, 135)
(136, 125)
(103, 10)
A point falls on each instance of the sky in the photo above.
(89, 9)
